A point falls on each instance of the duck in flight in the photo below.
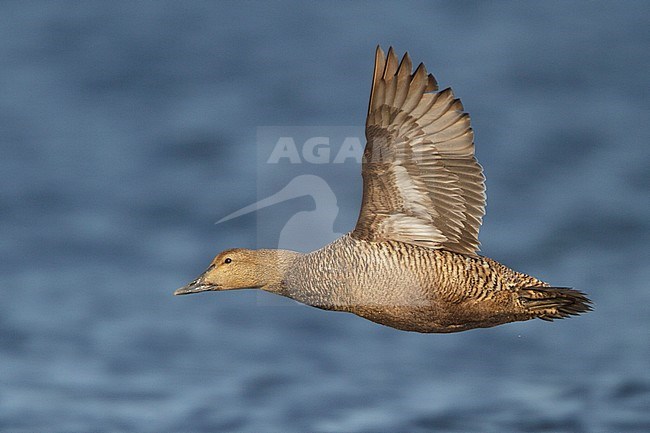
(412, 260)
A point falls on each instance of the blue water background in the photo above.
(128, 128)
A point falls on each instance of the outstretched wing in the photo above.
(421, 182)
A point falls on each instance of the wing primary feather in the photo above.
(391, 65)
(416, 88)
(432, 84)
(380, 61)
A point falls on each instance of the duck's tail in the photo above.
(549, 303)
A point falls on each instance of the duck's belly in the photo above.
(395, 296)
(404, 301)
(397, 285)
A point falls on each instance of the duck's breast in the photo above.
(349, 275)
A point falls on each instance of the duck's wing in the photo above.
(421, 182)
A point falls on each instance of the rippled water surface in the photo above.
(127, 129)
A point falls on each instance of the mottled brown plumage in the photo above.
(411, 262)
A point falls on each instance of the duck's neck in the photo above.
(274, 265)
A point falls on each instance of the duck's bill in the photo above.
(195, 286)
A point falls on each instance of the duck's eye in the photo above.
(228, 260)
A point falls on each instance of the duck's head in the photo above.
(242, 269)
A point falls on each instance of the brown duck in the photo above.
(411, 262)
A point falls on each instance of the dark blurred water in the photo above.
(128, 128)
